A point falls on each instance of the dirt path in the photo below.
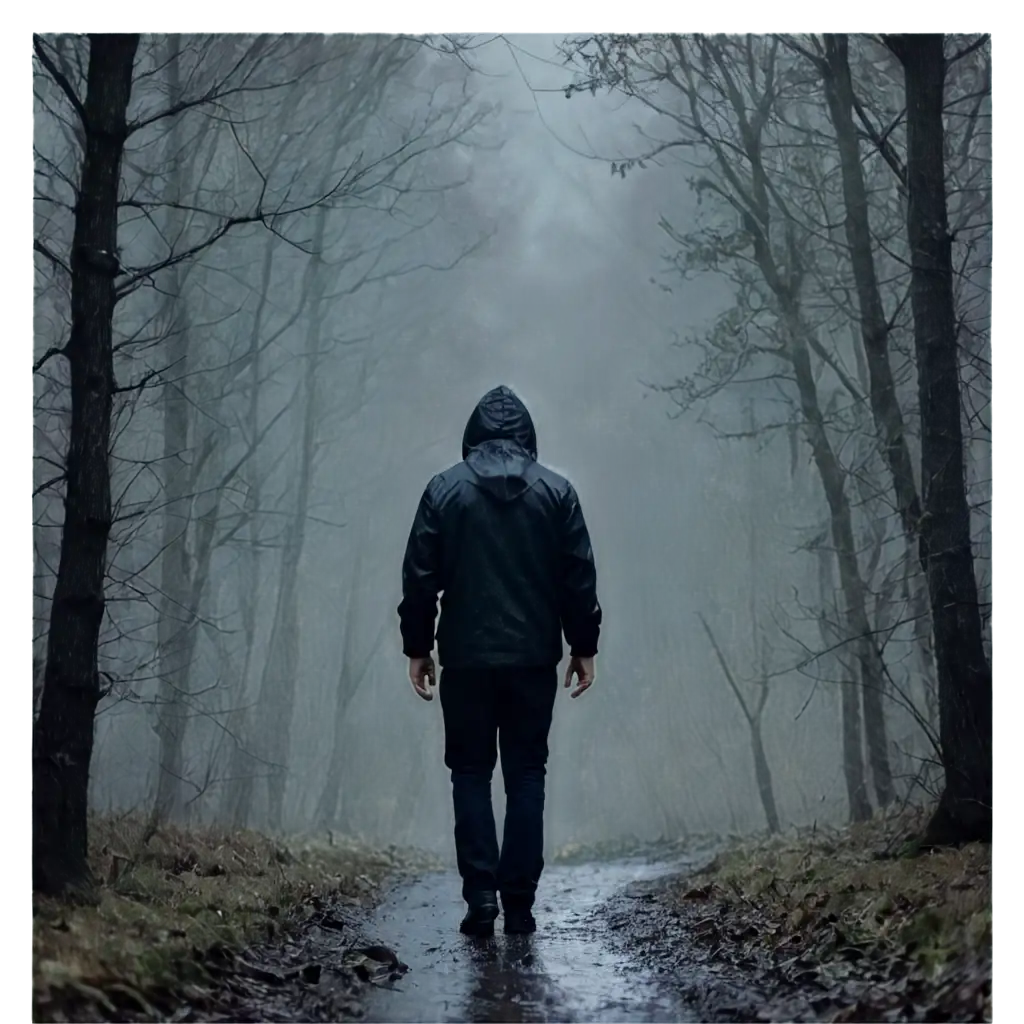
(633, 934)
(573, 969)
(568, 971)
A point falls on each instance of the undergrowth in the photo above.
(858, 901)
(167, 895)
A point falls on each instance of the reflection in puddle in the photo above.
(565, 972)
(509, 983)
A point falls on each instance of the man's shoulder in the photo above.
(555, 480)
(448, 480)
(441, 483)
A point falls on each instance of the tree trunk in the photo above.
(275, 702)
(268, 737)
(916, 590)
(872, 669)
(786, 289)
(207, 488)
(243, 766)
(175, 612)
(762, 769)
(874, 327)
(763, 774)
(326, 811)
(965, 675)
(853, 759)
(63, 737)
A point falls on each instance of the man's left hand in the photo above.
(421, 675)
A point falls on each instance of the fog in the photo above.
(290, 392)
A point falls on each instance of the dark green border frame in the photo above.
(16, 27)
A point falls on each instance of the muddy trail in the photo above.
(407, 961)
(569, 971)
(828, 925)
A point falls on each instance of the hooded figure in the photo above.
(502, 539)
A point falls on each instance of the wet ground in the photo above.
(606, 949)
(568, 971)
(626, 933)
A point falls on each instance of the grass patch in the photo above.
(169, 895)
(848, 922)
(934, 906)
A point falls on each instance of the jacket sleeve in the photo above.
(421, 580)
(580, 610)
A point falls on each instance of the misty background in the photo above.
(284, 413)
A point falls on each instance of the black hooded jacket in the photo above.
(503, 540)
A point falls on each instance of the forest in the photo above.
(743, 284)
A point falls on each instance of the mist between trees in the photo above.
(741, 282)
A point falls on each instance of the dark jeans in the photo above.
(484, 709)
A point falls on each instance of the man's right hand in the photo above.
(422, 676)
(583, 669)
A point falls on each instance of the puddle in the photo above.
(567, 971)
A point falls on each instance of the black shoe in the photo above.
(519, 921)
(479, 919)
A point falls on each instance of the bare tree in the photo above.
(226, 86)
(758, 584)
(62, 745)
(965, 675)
(352, 670)
(752, 712)
(725, 99)
(830, 58)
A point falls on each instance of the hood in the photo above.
(500, 443)
(500, 415)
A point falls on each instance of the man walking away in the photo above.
(503, 540)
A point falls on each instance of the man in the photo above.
(503, 539)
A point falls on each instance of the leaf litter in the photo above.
(208, 924)
(834, 925)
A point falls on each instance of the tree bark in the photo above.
(63, 738)
(964, 812)
(874, 327)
